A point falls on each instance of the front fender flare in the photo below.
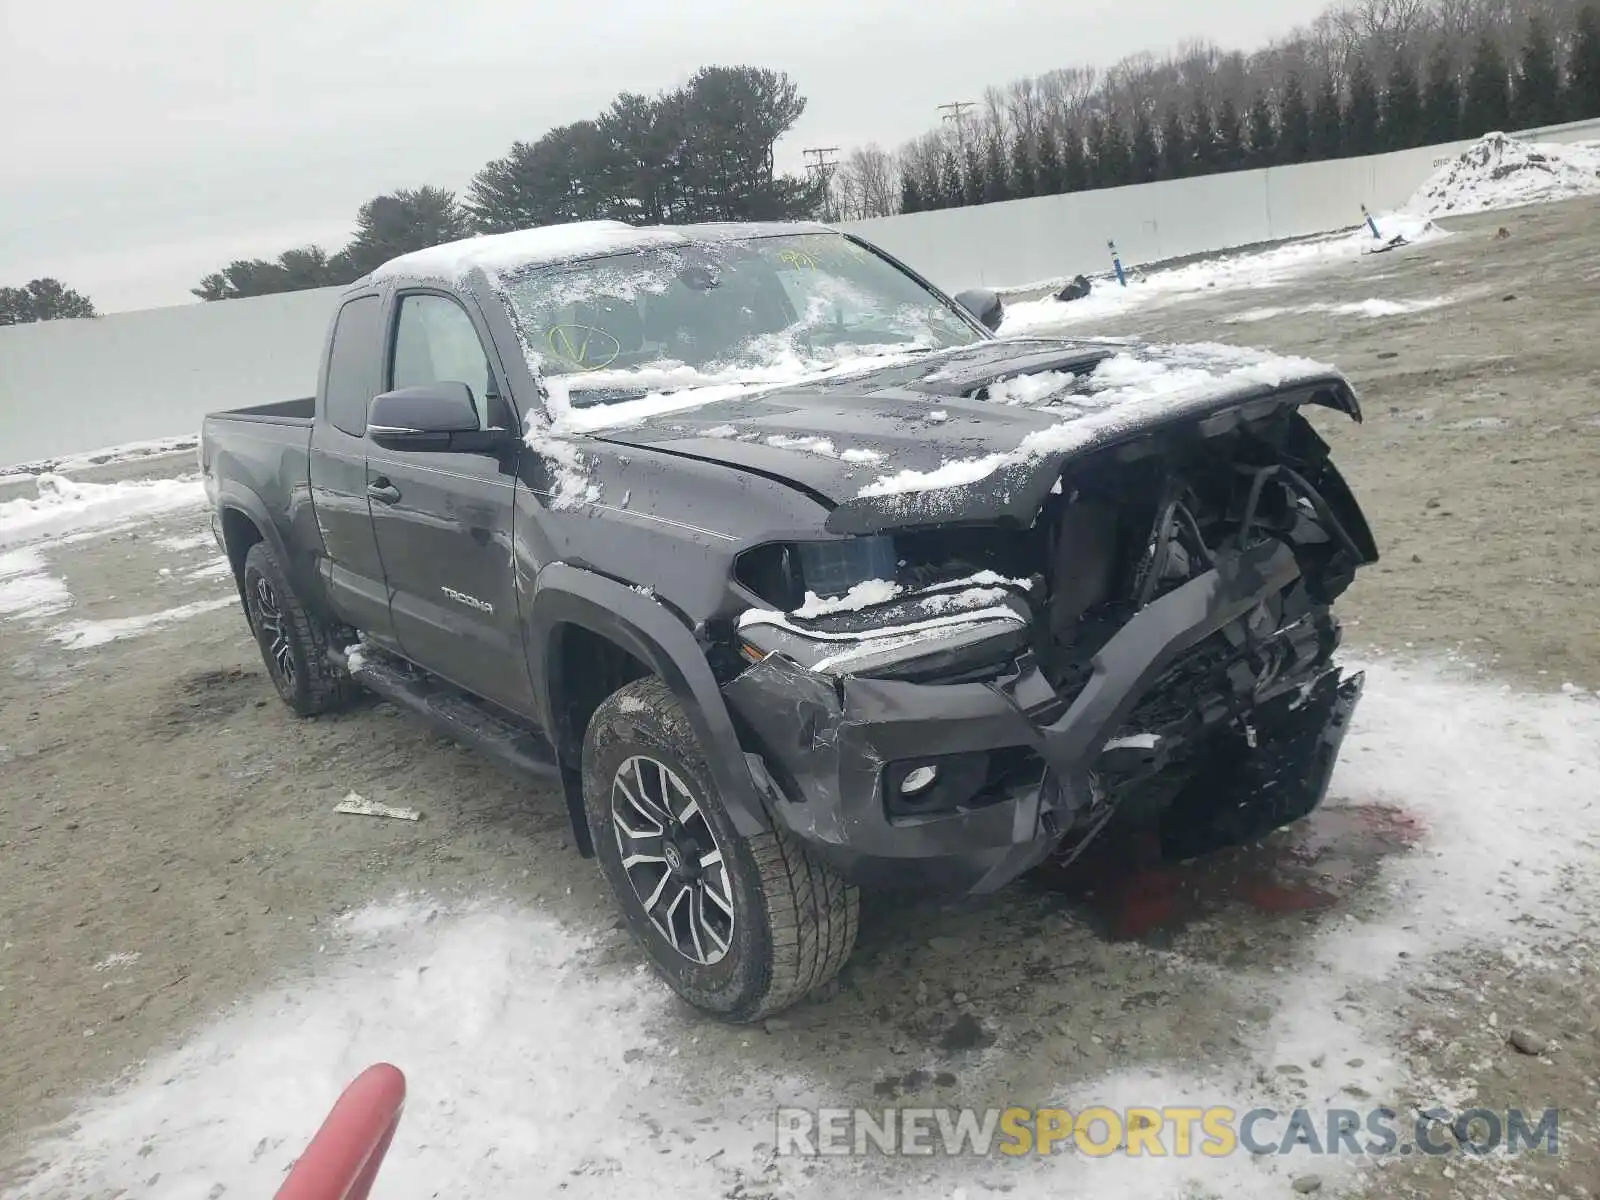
(652, 633)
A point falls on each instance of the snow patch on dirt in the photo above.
(63, 506)
(27, 589)
(1371, 309)
(86, 635)
(1499, 171)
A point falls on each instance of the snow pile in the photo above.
(1127, 388)
(1498, 171)
(65, 505)
(1261, 269)
(532, 1056)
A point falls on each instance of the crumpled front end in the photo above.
(973, 699)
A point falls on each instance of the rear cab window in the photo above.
(352, 378)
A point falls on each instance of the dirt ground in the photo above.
(157, 800)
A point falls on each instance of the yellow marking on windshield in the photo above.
(583, 346)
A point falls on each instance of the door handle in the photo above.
(383, 491)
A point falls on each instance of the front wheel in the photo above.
(294, 644)
(739, 927)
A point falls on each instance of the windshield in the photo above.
(755, 309)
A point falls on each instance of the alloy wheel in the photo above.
(672, 859)
(270, 620)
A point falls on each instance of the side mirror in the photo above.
(983, 303)
(431, 417)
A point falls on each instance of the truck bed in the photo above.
(279, 412)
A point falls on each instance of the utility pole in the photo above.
(823, 168)
(955, 111)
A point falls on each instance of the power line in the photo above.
(823, 167)
(954, 111)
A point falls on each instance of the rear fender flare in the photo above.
(243, 500)
(648, 630)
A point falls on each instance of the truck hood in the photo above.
(977, 434)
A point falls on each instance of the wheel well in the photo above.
(587, 667)
(239, 533)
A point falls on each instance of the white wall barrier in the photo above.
(72, 386)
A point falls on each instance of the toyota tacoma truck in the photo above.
(794, 577)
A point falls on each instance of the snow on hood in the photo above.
(908, 443)
(1122, 391)
(1499, 171)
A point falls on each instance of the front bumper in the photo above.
(828, 739)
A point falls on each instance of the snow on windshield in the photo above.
(713, 315)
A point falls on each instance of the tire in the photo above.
(293, 643)
(786, 920)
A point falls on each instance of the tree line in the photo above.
(1365, 77)
(43, 299)
(700, 152)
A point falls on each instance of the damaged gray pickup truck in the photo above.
(795, 576)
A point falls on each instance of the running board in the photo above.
(456, 715)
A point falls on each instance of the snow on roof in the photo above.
(501, 252)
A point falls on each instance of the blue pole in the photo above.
(1371, 224)
(1116, 261)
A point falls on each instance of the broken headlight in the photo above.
(783, 573)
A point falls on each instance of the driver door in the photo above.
(443, 520)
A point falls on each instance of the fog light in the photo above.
(918, 779)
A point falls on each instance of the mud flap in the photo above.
(1243, 793)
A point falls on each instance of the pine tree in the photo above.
(1074, 162)
(910, 196)
(996, 182)
(1144, 155)
(1327, 121)
(1402, 106)
(955, 195)
(1294, 116)
(1263, 135)
(972, 173)
(1024, 172)
(1047, 178)
(1361, 133)
(1202, 138)
(1230, 155)
(1538, 100)
(1177, 158)
(1583, 67)
(1108, 149)
(1441, 98)
(1488, 99)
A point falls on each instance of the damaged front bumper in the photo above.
(1005, 768)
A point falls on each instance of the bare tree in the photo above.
(867, 184)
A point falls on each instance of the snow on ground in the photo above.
(126, 452)
(1356, 308)
(1498, 171)
(533, 1056)
(27, 589)
(62, 505)
(86, 635)
(1246, 271)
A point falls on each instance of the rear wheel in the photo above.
(739, 927)
(294, 644)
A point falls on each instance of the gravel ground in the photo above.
(168, 846)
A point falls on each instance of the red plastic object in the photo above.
(343, 1158)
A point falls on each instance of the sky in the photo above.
(147, 145)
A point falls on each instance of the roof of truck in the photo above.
(498, 253)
